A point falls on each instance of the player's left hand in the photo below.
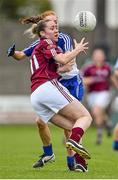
(11, 50)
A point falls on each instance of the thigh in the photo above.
(74, 110)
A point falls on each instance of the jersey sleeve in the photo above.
(68, 42)
(28, 51)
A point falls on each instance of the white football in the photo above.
(85, 21)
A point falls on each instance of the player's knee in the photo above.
(96, 111)
(90, 119)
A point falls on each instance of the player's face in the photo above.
(51, 31)
(98, 57)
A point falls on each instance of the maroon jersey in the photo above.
(43, 65)
(100, 76)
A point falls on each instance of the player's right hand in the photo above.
(11, 50)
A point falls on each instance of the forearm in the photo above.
(19, 55)
(66, 57)
(114, 81)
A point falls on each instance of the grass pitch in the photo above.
(20, 147)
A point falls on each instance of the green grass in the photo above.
(20, 147)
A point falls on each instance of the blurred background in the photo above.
(15, 104)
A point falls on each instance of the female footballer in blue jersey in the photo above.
(70, 79)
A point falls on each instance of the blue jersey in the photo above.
(64, 42)
(74, 84)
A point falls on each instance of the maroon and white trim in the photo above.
(62, 91)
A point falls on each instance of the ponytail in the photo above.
(37, 28)
(32, 19)
(31, 32)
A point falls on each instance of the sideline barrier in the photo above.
(16, 109)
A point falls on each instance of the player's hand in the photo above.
(11, 50)
(82, 46)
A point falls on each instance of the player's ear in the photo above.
(42, 33)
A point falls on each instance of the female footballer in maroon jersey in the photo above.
(97, 79)
(74, 161)
(49, 98)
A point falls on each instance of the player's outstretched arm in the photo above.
(70, 55)
(18, 55)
